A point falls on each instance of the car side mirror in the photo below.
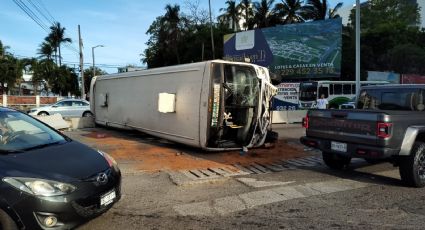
(54, 106)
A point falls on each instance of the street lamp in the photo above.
(92, 54)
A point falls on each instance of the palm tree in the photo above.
(333, 12)
(46, 50)
(290, 11)
(246, 8)
(57, 37)
(231, 14)
(264, 14)
(3, 50)
(319, 9)
(171, 26)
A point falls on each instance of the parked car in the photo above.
(49, 181)
(66, 108)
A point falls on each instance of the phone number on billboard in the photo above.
(303, 71)
(285, 108)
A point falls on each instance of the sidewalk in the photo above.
(289, 132)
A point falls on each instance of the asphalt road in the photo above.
(362, 196)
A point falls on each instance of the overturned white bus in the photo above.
(213, 105)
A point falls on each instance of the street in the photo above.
(285, 187)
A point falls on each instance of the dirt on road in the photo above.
(151, 154)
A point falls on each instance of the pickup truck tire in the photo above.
(412, 167)
(335, 161)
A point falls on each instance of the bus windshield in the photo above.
(308, 91)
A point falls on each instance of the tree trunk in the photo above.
(60, 57)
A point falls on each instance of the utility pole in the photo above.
(211, 28)
(83, 90)
(357, 49)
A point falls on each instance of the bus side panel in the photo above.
(133, 102)
(205, 106)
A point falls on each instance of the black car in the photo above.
(49, 181)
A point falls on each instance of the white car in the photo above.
(66, 108)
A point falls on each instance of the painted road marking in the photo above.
(230, 204)
(257, 168)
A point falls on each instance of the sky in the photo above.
(119, 25)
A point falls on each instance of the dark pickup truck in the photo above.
(387, 124)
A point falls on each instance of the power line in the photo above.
(37, 19)
(85, 64)
(21, 5)
(40, 12)
(45, 9)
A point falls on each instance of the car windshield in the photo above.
(20, 132)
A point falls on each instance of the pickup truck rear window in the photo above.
(392, 99)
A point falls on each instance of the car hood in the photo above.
(65, 162)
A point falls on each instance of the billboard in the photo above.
(302, 50)
(287, 97)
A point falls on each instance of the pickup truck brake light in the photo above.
(383, 129)
(305, 122)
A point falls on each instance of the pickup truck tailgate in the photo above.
(344, 125)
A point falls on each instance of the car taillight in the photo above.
(305, 122)
(383, 129)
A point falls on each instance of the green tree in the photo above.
(248, 13)
(64, 80)
(407, 58)
(10, 68)
(264, 14)
(290, 11)
(46, 50)
(390, 39)
(317, 9)
(88, 76)
(172, 28)
(387, 14)
(231, 15)
(57, 37)
(42, 71)
(3, 50)
(333, 13)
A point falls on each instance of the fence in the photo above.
(26, 102)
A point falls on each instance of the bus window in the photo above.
(337, 89)
(353, 89)
(346, 89)
(323, 90)
(331, 89)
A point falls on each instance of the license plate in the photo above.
(337, 146)
(108, 198)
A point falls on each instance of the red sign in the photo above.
(412, 79)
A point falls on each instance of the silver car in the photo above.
(66, 107)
